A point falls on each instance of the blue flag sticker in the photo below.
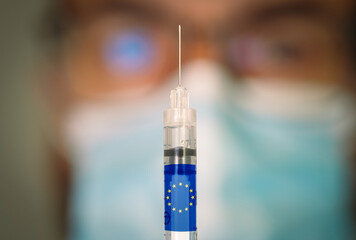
(180, 197)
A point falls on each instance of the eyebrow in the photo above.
(139, 9)
(281, 10)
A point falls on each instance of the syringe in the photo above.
(180, 195)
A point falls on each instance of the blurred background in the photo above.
(84, 85)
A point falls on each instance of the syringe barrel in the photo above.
(180, 159)
(178, 132)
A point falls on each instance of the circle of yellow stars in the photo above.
(190, 203)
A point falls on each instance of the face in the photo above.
(127, 48)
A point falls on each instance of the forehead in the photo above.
(205, 13)
(221, 8)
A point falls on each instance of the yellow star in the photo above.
(169, 204)
(186, 185)
(180, 184)
(186, 209)
(192, 197)
(191, 204)
(167, 197)
(180, 211)
(174, 209)
(191, 190)
(169, 190)
(174, 185)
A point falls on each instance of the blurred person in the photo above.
(273, 85)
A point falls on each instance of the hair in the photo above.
(54, 26)
(352, 34)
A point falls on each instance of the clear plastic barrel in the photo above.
(183, 136)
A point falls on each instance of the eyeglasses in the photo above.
(118, 53)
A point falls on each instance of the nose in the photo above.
(202, 49)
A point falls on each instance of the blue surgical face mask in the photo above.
(288, 161)
(117, 154)
(262, 174)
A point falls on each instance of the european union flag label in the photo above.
(180, 198)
